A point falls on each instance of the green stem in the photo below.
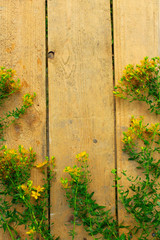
(32, 214)
(112, 231)
(91, 227)
(9, 230)
(90, 221)
(75, 208)
(34, 218)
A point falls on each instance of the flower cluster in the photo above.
(21, 202)
(15, 164)
(141, 199)
(141, 143)
(31, 232)
(82, 157)
(15, 173)
(86, 210)
(46, 163)
(31, 190)
(141, 83)
(76, 173)
(28, 99)
(8, 85)
(138, 130)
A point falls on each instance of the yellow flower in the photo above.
(12, 151)
(154, 128)
(32, 231)
(35, 194)
(40, 165)
(25, 189)
(65, 185)
(39, 188)
(83, 156)
(23, 151)
(67, 169)
(76, 171)
(80, 155)
(28, 99)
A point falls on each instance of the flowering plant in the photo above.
(141, 83)
(17, 189)
(142, 144)
(142, 199)
(8, 86)
(96, 220)
(21, 202)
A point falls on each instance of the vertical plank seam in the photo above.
(115, 123)
(47, 105)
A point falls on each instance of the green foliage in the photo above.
(21, 202)
(142, 199)
(97, 221)
(18, 190)
(141, 83)
(142, 144)
(8, 86)
(15, 166)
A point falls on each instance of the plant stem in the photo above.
(34, 218)
(32, 214)
(75, 208)
(9, 230)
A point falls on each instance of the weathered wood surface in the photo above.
(81, 106)
(22, 48)
(136, 35)
(81, 111)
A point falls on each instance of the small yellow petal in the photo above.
(35, 194)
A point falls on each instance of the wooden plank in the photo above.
(22, 48)
(80, 98)
(136, 35)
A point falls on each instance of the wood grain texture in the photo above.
(22, 48)
(136, 35)
(80, 99)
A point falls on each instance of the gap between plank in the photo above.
(47, 105)
(115, 123)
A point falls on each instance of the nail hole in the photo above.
(51, 54)
(95, 140)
